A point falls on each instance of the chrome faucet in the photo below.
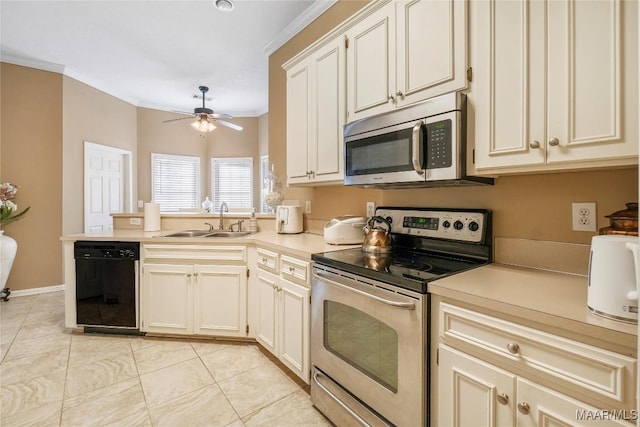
(223, 208)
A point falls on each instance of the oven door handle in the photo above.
(396, 304)
(338, 401)
(415, 148)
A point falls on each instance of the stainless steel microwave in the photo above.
(423, 145)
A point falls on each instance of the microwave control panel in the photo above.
(462, 225)
(439, 144)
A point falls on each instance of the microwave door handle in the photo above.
(415, 148)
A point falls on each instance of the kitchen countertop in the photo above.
(555, 300)
(302, 244)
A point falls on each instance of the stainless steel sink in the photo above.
(206, 233)
(188, 233)
(228, 234)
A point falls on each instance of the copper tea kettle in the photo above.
(377, 237)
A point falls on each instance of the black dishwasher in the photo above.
(107, 285)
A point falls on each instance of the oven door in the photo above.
(417, 151)
(367, 342)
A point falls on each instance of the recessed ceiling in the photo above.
(155, 54)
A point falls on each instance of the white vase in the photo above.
(8, 249)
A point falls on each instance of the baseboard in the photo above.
(35, 291)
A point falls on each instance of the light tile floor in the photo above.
(52, 377)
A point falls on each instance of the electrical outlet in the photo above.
(371, 209)
(307, 207)
(584, 216)
(135, 221)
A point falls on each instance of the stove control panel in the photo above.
(462, 225)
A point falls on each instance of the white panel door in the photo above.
(220, 300)
(267, 285)
(104, 186)
(371, 64)
(294, 301)
(329, 86)
(472, 392)
(167, 298)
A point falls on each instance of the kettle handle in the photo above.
(371, 222)
(633, 247)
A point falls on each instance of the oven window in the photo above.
(364, 342)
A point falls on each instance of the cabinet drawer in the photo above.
(295, 270)
(267, 260)
(572, 364)
(195, 253)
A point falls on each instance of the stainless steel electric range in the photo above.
(370, 314)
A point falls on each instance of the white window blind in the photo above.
(264, 168)
(175, 181)
(232, 182)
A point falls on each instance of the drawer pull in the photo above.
(524, 408)
(513, 348)
(503, 399)
(292, 269)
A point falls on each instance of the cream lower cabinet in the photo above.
(494, 372)
(475, 393)
(555, 84)
(283, 316)
(194, 296)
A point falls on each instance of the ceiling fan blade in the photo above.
(220, 116)
(229, 125)
(179, 118)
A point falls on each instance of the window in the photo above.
(264, 183)
(232, 182)
(175, 181)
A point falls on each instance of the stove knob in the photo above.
(446, 224)
(473, 226)
(458, 225)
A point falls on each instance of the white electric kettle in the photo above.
(613, 277)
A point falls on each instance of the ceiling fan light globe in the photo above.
(203, 125)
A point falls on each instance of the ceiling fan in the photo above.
(206, 119)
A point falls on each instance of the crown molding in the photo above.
(297, 25)
(32, 63)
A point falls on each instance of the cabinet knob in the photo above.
(554, 141)
(391, 98)
(503, 399)
(291, 269)
(524, 408)
(513, 348)
(534, 144)
(400, 94)
(188, 274)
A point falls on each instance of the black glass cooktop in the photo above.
(405, 268)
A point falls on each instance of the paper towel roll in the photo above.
(151, 217)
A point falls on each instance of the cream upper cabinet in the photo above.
(405, 52)
(316, 115)
(555, 84)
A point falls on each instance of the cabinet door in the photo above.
(472, 392)
(220, 300)
(539, 406)
(293, 325)
(167, 298)
(326, 148)
(431, 49)
(371, 64)
(507, 93)
(592, 80)
(298, 116)
(266, 287)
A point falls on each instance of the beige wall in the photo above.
(94, 116)
(180, 138)
(31, 157)
(527, 206)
